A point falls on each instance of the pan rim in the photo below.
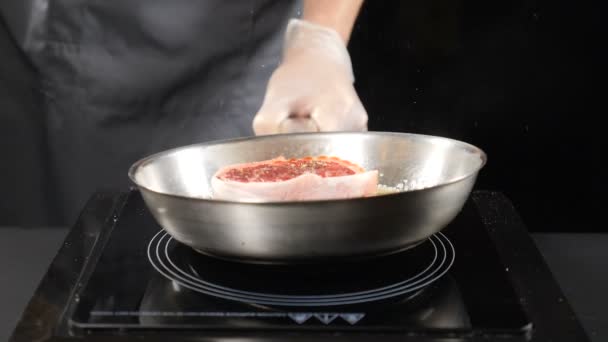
(145, 160)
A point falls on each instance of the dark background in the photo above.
(516, 78)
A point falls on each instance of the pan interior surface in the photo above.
(404, 161)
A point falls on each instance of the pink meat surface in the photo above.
(280, 179)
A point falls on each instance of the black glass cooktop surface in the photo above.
(454, 283)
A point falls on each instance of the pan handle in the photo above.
(298, 125)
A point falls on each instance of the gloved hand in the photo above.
(314, 81)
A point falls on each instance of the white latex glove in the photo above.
(313, 85)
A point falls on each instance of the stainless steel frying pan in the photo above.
(175, 185)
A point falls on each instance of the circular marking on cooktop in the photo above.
(160, 258)
(421, 276)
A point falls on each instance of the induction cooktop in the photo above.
(119, 276)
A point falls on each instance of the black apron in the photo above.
(124, 79)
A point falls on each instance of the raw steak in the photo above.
(280, 179)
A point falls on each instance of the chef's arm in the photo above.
(339, 15)
(313, 88)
